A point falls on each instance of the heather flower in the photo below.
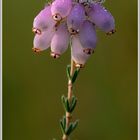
(101, 18)
(88, 37)
(71, 23)
(68, 21)
(77, 54)
(60, 9)
(76, 18)
(42, 42)
(43, 20)
(60, 41)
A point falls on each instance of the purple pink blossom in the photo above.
(65, 22)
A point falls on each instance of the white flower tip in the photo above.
(36, 31)
(73, 32)
(88, 51)
(36, 50)
(79, 65)
(111, 32)
(55, 55)
(57, 17)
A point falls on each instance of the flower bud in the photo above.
(43, 20)
(61, 9)
(42, 42)
(76, 18)
(60, 41)
(88, 37)
(101, 18)
(78, 56)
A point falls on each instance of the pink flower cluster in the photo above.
(66, 21)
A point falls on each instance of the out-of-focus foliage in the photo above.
(33, 84)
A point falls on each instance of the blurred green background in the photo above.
(33, 84)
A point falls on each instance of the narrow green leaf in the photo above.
(69, 130)
(73, 104)
(62, 127)
(68, 72)
(63, 99)
(67, 105)
(74, 77)
(64, 122)
(73, 98)
(72, 101)
(75, 124)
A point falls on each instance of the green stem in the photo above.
(70, 86)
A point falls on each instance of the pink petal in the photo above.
(76, 17)
(61, 8)
(101, 18)
(78, 55)
(42, 42)
(60, 40)
(87, 35)
(44, 20)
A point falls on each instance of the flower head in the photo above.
(69, 21)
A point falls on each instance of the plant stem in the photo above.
(70, 85)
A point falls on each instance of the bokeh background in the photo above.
(33, 84)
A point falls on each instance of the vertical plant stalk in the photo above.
(69, 96)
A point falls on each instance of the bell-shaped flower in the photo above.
(88, 37)
(77, 54)
(76, 18)
(60, 41)
(42, 42)
(60, 9)
(101, 18)
(43, 20)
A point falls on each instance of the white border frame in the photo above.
(138, 71)
(0, 69)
